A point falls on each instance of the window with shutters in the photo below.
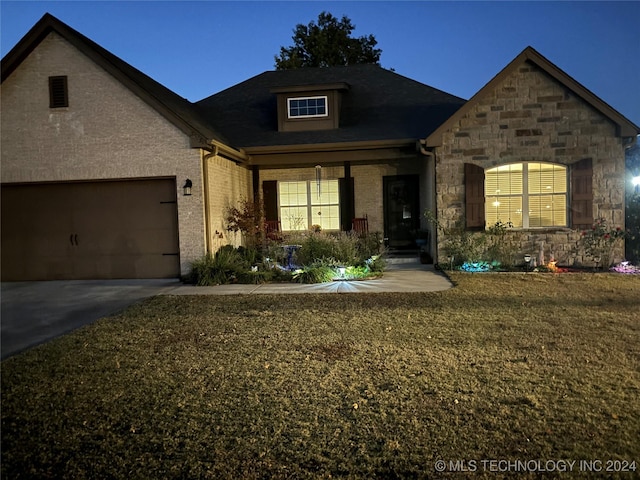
(529, 195)
(58, 93)
(303, 204)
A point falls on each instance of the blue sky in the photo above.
(200, 48)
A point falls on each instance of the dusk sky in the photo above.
(200, 48)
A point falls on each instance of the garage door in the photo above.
(93, 230)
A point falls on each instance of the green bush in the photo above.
(346, 248)
(315, 273)
(504, 244)
(217, 269)
(316, 246)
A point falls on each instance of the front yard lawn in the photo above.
(504, 366)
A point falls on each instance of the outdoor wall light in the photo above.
(186, 189)
(635, 181)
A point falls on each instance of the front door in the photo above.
(401, 210)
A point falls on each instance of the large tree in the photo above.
(327, 43)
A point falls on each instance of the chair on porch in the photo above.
(360, 225)
(272, 229)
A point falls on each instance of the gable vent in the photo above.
(58, 96)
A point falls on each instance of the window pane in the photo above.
(504, 209)
(504, 180)
(294, 218)
(547, 210)
(545, 178)
(327, 216)
(329, 192)
(293, 193)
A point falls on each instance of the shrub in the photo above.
(463, 245)
(600, 241)
(346, 248)
(504, 244)
(217, 269)
(318, 272)
(315, 246)
(496, 246)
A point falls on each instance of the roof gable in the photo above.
(624, 127)
(378, 105)
(174, 108)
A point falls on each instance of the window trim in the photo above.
(526, 196)
(314, 97)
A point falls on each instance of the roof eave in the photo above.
(330, 147)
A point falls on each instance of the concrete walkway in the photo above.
(401, 275)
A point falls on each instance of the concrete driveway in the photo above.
(32, 313)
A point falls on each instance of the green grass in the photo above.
(504, 366)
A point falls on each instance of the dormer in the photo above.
(309, 107)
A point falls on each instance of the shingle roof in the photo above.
(379, 105)
(176, 109)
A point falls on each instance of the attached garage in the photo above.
(90, 230)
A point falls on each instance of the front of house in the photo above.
(108, 174)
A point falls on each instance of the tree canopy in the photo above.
(326, 44)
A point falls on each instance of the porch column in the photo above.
(346, 202)
(255, 175)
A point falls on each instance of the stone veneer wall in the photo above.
(532, 117)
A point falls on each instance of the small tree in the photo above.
(247, 218)
(326, 44)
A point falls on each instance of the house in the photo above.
(328, 145)
(95, 158)
(108, 174)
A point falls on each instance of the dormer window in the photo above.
(307, 107)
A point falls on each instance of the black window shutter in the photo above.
(582, 194)
(474, 196)
(270, 198)
(347, 202)
(58, 94)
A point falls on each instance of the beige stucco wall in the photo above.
(107, 132)
(532, 117)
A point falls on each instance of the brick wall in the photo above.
(532, 117)
(367, 184)
(228, 185)
(107, 132)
